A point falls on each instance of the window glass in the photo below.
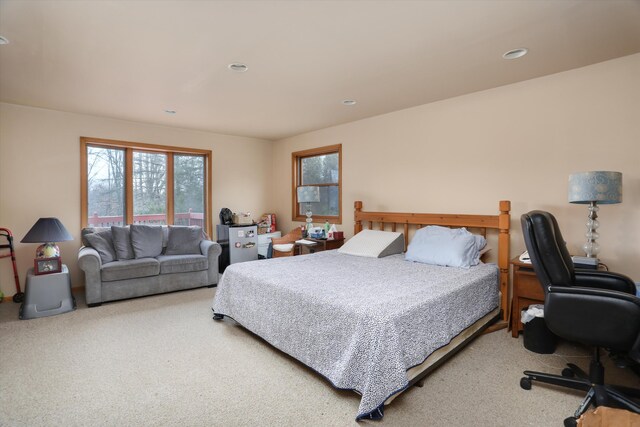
(134, 183)
(149, 188)
(322, 169)
(105, 187)
(188, 189)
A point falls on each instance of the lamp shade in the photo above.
(308, 194)
(603, 187)
(47, 230)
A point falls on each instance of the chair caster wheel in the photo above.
(525, 383)
(570, 422)
(568, 373)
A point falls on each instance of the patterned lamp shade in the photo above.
(310, 194)
(603, 187)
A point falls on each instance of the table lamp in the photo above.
(603, 187)
(47, 231)
(308, 195)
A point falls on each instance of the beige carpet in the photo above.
(163, 361)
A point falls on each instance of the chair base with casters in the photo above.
(598, 393)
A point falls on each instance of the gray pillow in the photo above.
(184, 240)
(103, 243)
(122, 242)
(146, 240)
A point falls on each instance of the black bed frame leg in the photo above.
(420, 383)
(217, 316)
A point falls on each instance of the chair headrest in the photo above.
(547, 249)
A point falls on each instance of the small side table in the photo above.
(320, 245)
(47, 294)
(526, 291)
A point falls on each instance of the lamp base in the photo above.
(48, 250)
(591, 247)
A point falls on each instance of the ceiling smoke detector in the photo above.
(349, 102)
(515, 53)
(238, 67)
(170, 111)
(3, 40)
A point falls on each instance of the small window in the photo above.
(320, 167)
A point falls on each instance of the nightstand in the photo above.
(321, 245)
(526, 291)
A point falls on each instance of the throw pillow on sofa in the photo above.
(184, 240)
(122, 242)
(103, 243)
(146, 240)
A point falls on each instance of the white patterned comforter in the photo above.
(359, 322)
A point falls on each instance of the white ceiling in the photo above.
(134, 59)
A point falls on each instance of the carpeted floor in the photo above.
(163, 361)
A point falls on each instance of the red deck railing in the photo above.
(186, 218)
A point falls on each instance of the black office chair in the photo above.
(596, 308)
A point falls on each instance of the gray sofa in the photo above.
(116, 268)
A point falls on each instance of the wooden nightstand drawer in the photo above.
(529, 286)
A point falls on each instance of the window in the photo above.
(321, 167)
(129, 183)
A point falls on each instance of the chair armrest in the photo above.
(89, 261)
(212, 250)
(592, 316)
(605, 280)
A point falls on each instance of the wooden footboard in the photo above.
(500, 223)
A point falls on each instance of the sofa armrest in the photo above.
(89, 261)
(212, 250)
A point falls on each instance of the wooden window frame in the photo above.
(296, 177)
(129, 148)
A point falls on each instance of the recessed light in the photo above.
(3, 40)
(515, 53)
(170, 111)
(349, 102)
(238, 67)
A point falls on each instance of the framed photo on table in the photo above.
(47, 265)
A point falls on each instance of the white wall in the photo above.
(518, 142)
(40, 173)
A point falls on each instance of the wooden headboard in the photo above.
(500, 222)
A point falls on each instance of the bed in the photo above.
(373, 325)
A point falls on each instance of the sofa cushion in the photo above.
(184, 240)
(103, 243)
(130, 269)
(182, 263)
(146, 240)
(122, 242)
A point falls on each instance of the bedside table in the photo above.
(321, 245)
(526, 291)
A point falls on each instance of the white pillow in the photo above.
(445, 246)
(374, 244)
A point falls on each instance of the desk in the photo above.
(47, 294)
(526, 291)
(319, 246)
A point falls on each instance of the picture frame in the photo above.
(47, 265)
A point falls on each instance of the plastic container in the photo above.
(537, 336)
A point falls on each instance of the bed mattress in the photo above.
(359, 322)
